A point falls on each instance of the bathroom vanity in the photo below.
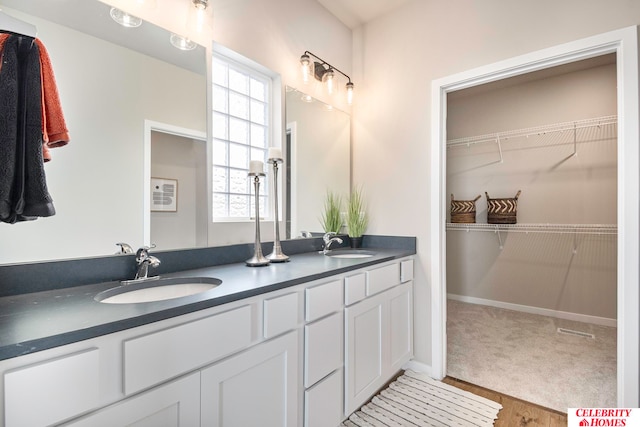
(302, 343)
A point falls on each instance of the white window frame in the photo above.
(274, 128)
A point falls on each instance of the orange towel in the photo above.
(3, 39)
(54, 127)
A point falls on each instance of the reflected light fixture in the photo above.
(182, 43)
(125, 19)
(324, 72)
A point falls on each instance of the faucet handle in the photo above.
(125, 248)
(328, 235)
(143, 252)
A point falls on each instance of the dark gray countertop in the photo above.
(41, 320)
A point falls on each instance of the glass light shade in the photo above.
(349, 93)
(199, 18)
(182, 43)
(329, 80)
(124, 19)
(305, 65)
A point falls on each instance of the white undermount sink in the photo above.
(350, 253)
(160, 289)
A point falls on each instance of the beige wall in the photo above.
(395, 59)
(559, 272)
(185, 160)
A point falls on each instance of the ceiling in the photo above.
(354, 13)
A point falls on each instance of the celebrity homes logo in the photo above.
(603, 417)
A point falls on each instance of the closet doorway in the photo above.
(531, 306)
(176, 195)
(624, 44)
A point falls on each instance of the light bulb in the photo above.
(349, 93)
(305, 65)
(198, 16)
(124, 19)
(328, 78)
(182, 43)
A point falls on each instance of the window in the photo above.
(241, 133)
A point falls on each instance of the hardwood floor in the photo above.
(515, 412)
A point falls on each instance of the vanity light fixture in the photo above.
(198, 18)
(125, 19)
(324, 72)
(182, 43)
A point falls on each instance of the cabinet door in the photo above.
(365, 332)
(400, 326)
(176, 404)
(258, 387)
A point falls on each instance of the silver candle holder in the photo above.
(257, 259)
(277, 255)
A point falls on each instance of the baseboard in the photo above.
(585, 318)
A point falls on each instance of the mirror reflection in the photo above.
(318, 143)
(108, 90)
(125, 96)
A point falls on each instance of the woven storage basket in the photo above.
(463, 211)
(502, 211)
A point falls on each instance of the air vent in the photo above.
(576, 333)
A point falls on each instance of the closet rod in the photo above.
(597, 229)
(538, 130)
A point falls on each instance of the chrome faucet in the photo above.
(143, 261)
(328, 239)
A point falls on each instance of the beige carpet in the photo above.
(416, 400)
(524, 356)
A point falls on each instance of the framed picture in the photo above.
(164, 195)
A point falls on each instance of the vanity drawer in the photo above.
(355, 288)
(280, 314)
(162, 355)
(322, 300)
(322, 348)
(323, 402)
(33, 397)
(383, 278)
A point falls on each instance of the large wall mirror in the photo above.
(319, 147)
(112, 81)
(125, 91)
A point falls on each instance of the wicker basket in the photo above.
(463, 211)
(502, 211)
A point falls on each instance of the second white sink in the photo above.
(151, 290)
(350, 253)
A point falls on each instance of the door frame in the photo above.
(149, 127)
(624, 43)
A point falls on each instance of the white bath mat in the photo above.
(415, 399)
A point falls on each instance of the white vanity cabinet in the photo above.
(323, 353)
(286, 358)
(378, 332)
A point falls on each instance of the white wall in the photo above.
(397, 57)
(558, 272)
(275, 33)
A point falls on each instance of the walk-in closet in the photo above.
(532, 305)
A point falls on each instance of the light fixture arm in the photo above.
(323, 62)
